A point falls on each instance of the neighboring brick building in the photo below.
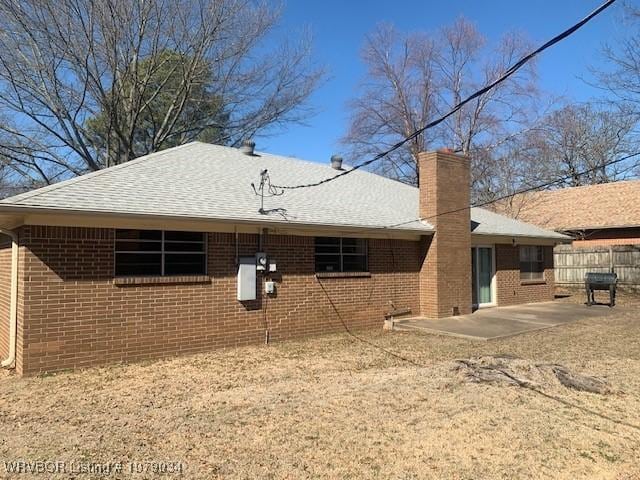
(602, 220)
(156, 257)
(593, 215)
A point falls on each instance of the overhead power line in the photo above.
(513, 69)
(525, 190)
(522, 191)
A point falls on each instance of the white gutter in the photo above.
(10, 361)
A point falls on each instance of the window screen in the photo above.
(156, 252)
(531, 263)
(334, 254)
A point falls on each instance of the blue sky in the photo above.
(339, 28)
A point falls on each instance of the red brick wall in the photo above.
(445, 279)
(72, 314)
(5, 294)
(510, 290)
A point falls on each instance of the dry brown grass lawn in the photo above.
(335, 407)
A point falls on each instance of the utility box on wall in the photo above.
(270, 287)
(247, 279)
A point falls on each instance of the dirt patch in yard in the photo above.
(343, 407)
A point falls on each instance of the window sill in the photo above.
(533, 282)
(343, 274)
(174, 279)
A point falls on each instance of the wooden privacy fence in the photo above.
(572, 263)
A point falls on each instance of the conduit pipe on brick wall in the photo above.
(10, 361)
(235, 231)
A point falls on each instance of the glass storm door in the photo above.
(482, 275)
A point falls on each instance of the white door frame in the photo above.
(493, 302)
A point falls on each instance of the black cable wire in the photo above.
(519, 192)
(359, 338)
(513, 69)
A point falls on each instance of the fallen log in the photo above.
(583, 383)
(512, 371)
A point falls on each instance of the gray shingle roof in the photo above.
(200, 180)
(485, 222)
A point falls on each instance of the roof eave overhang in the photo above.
(606, 227)
(512, 239)
(13, 216)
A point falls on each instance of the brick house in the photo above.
(169, 254)
(603, 222)
(593, 215)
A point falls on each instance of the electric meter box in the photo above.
(261, 261)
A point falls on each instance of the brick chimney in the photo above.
(445, 275)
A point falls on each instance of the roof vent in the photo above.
(336, 162)
(247, 147)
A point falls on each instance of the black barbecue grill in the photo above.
(600, 281)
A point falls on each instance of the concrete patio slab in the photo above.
(500, 322)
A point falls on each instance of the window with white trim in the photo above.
(336, 254)
(160, 253)
(531, 262)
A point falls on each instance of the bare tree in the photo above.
(399, 96)
(572, 146)
(81, 82)
(412, 79)
(621, 76)
(581, 138)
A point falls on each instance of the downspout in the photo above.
(10, 361)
